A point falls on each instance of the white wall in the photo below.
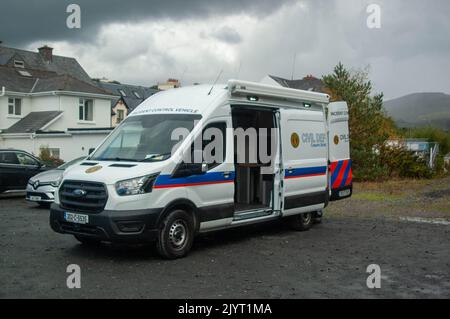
(71, 146)
(67, 104)
(70, 117)
(44, 103)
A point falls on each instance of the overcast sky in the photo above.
(145, 42)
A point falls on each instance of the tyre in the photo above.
(301, 222)
(176, 235)
(88, 241)
(317, 217)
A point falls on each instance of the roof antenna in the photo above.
(182, 74)
(293, 66)
(217, 79)
(239, 70)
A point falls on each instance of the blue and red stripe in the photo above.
(166, 181)
(305, 172)
(341, 173)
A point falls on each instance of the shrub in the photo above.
(46, 157)
(400, 162)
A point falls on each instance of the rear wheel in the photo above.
(88, 241)
(301, 222)
(176, 235)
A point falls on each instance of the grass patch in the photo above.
(377, 196)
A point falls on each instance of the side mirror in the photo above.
(91, 150)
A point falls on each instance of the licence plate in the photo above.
(344, 193)
(76, 218)
(35, 198)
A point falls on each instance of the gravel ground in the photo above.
(266, 261)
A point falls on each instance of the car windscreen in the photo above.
(144, 138)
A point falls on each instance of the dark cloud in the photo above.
(23, 21)
(144, 42)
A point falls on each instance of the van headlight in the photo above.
(136, 186)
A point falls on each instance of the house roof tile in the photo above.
(33, 122)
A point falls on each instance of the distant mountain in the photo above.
(420, 109)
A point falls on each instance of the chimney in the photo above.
(309, 77)
(46, 53)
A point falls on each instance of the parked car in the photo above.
(41, 187)
(16, 168)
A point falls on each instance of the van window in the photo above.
(222, 126)
(144, 138)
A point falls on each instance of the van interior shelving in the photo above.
(253, 190)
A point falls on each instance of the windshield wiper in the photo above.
(117, 159)
(153, 156)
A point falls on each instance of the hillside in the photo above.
(420, 109)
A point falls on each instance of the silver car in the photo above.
(41, 187)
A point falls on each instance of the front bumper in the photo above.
(135, 226)
(45, 193)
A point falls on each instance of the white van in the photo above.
(137, 185)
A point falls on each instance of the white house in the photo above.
(48, 100)
(130, 97)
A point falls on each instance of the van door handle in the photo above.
(226, 174)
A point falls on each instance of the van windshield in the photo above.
(144, 138)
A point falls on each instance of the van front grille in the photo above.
(83, 196)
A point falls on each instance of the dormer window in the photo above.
(19, 64)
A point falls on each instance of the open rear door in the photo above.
(340, 171)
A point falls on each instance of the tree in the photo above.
(368, 125)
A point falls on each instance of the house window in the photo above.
(122, 92)
(19, 64)
(86, 110)
(54, 152)
(136, 94)
(120, 116)
(14, 106)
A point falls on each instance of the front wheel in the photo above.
(176, 235)
(301, 222)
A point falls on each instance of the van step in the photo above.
(251, 214)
